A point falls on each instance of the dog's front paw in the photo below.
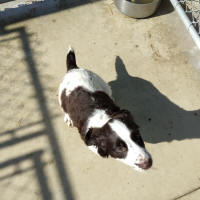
(70, 123)
(68, 120)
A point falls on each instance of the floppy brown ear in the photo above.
(89, 138)
(92, 138)
(102, 152)
(102, 149)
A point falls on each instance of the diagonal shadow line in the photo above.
(61, 168)
(11, 131)
(66, 4)
(14, 130)
(11, 175)
(38, 165)
(5, 1)
(21, 139)
(41, 9)
(18, 172)
(19, 159)
(46, 117)
(39, 169)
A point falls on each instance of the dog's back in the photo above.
(81, 92)
(78, 77)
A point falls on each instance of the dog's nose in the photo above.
(145, 164)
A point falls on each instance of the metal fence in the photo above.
(189, 12)
(192, 9)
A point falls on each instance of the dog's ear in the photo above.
(94, 138)
(89, 138)
(102, 149)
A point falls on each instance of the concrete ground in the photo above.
(153, 68)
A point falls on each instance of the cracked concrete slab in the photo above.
(152, 66)
(190, 195)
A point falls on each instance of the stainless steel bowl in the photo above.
(137, 10)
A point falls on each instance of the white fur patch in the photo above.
(70, 49)
(93, 149)
(135, 153)
(68, 120)
(83, 78)
(98, 119)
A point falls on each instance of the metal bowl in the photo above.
(137, 10)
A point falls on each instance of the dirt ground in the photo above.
(152, 67)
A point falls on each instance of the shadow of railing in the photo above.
(160, 120)
(16, 140)
(49, 7)
(13, 131)
(48, 129)
(38, 8)
(39, 94)
(5, 1)
(37, 166)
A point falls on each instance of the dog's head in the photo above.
(120, 138)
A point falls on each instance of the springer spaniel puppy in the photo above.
(106, 129)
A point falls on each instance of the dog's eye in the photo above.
(123, 120)
(121, 147)
(120, 144)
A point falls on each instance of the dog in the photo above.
(106, 129)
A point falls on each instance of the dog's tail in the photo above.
(71, 59)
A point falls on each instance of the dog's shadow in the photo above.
(160, 120)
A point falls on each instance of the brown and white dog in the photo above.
(106, 129)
